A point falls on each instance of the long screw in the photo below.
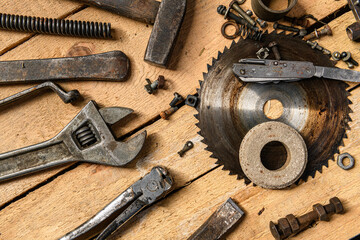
(315, 45)
(301, 32)
(291, 225)
(229, 15)
(317, 34)
(168, 112)
(242, 13)
(305, 23)
(55, 26)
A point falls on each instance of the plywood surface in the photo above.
(41, 207)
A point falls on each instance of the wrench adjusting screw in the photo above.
(188, 145)
(291, 225)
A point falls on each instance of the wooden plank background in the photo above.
(48, 204)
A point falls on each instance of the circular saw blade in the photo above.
(317, 108)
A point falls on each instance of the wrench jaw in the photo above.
(93, 141)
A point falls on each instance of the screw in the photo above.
(346, 57)
(301, 32)
(229, 15)
(242, 13)
(176, 99)
(275, 50)
(249, 13)
(315, 45)
(305, 23)
(317, 34)
(336, 56)
(262, 23)
(291, 225)
(152, 87)
(167, 113)
(188, 145)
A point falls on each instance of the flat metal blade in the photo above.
(337, 74)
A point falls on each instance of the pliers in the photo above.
(153, 186)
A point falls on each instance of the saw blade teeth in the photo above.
(282, 33)
(346, 136)
(213, 61)
(204, 75)
(201, 83)
(197, 117)
(219, 55)
(232, 43)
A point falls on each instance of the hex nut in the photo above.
(323, 216)
(284, 227)
(338, 205)
(294, 224)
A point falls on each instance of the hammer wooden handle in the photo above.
(140, 10)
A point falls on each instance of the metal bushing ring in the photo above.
(253, 144)
(225, 25)
(340, 161)
(262, 10)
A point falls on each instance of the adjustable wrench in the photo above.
(153, 186)
(86, 138)
(109, 66)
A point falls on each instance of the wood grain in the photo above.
(68, 200)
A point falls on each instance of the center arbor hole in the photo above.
(273, 109)
(274, 155)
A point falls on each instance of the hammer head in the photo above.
(165, 31)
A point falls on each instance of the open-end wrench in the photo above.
(66, 97)
(86, 138)
(109, 66)
(153, 186)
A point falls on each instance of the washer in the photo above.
(340, 161)
(254, 142)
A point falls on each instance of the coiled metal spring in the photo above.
(85, 136)
(242, 30)
(55, 26)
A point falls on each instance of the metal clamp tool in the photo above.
(153, 186)
(263, 71)
(86, 138)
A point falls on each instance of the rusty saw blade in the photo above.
(229, 108)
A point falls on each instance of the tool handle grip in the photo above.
(32, 159)
(95, 224)
(139, 10)
(109, 66)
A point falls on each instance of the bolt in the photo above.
(336, 56)
(188, 145)
(346, 57)
(315, 45)
(177, 98)
(234, 5)
(317, 34)
(286, 28)
(291, 225)
(275, 50)
(305, 23)
(158, 84)
(249, 13)
(262, 23)
(229, 15)
(167, 113)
